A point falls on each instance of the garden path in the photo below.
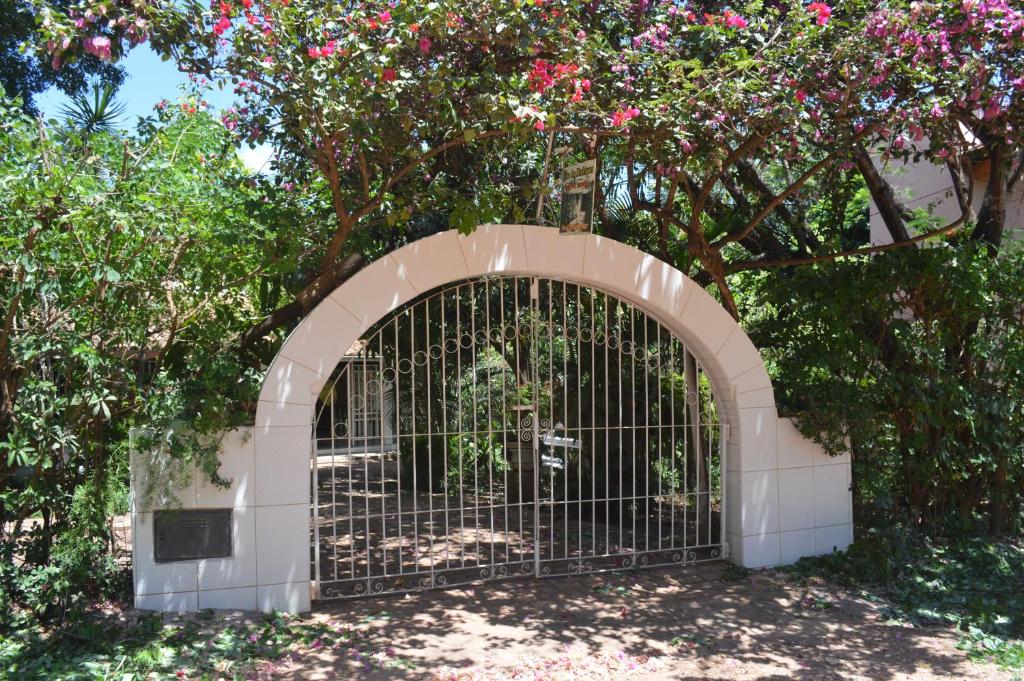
(658, 624)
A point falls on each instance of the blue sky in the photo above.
(148, 81)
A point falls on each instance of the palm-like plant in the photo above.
(98, 114)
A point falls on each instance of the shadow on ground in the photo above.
(666, 624)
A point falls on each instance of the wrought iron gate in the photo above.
(523, 426)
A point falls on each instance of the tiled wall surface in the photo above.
(269, 565)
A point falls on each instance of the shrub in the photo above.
(914, 361)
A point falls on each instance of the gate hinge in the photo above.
(726, 550)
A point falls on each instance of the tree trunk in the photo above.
(303, 303)
(698, 441)
(1000, 503)
(992, 216)
(893, 213)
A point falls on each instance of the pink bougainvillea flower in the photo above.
(98, 46)
(733, 20)
(822, 10)
(388, 75)
(801, 96)
(222, 25)
(540, 76)
(425, 45)
(623, 116)
(539, 126)
(414, 28)
(993, 109)
(313, 52)
(385, 17)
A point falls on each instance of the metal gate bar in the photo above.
(509, 426)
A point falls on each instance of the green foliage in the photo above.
(470, 458)
(128, 263)
(970, 582)
(103, 648)
(913, 361)
(99, 115)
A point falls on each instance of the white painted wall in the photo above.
(784, 497)
(221, 583)
(926, 185)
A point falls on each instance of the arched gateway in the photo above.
(511, 402)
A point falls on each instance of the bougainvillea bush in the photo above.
(719, 115)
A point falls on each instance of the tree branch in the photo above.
(746, 265)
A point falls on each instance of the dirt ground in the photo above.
(660, 624)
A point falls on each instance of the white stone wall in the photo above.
(258, 575)
(784, 497)
(815, 501)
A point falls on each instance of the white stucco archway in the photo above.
(784, 497)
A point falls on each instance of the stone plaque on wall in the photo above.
(191, 534)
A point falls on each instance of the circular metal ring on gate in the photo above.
(613, 342)
(341, 429)
(405, 365)
(357, 401)
(451, 345)
(481, 337)
(510, 331)
(435, 351)
(495, 334)
(600, 338)
(627, 347)
(572, 333)
(640, 354)
(466, 341)
(692, 397)
(420, 357)
(388, 375)
(372, 387)
(586, 335)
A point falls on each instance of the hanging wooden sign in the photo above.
(577, 214)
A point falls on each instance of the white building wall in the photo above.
(926, 185)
